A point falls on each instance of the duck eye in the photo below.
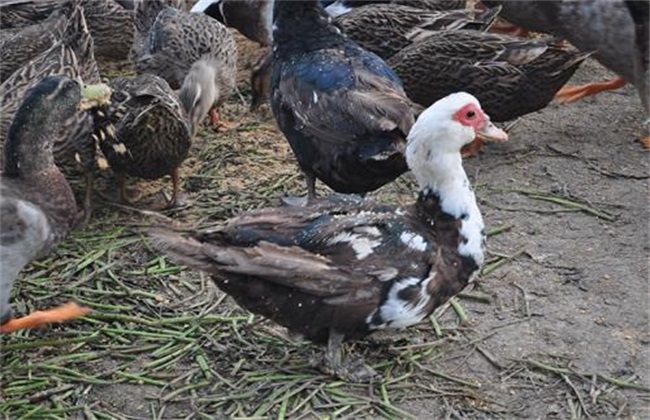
(471, 114)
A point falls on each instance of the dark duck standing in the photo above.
(341, 107)
(339, 269)
(37, 206)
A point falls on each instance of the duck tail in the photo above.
(181, 249)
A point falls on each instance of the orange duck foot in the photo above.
(645, 142)
(472, 149)
(216, 122)
(38, 319)
(570, 94)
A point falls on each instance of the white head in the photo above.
(442, 130)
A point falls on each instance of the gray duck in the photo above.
(169, 41)
(152, 135)
(339, 268)
(341, 7)
(604, 27)
(19, 45)
(21, 13)
(110, 24)
(385, 29)
(38, 208)
(510, 76)
(71, 56)
(112, 28)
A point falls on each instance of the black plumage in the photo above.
(342, 108)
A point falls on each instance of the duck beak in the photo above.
(491, 132)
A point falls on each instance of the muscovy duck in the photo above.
(339, 269)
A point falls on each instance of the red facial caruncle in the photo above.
(471, 116)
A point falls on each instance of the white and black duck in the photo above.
(339, 269)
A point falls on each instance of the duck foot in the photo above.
(218, 124)
(349, 370)
(37, 319)
(645, 142)
(177, 199)
(570, 94)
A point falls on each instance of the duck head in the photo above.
(442, 130)
(453, 122)
(199, 92)
(302, 26)
(53, 104)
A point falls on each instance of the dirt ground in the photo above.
(557, 326)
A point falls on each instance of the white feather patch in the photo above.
(336, 9)
(413, 241)
(361, 246)
(202, 5)
(398, 313)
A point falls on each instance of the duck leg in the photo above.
(351, 370)
(310, 179)
(175, 199)
(38, 319)
(216, 122)
(88, 196)
(570, 94)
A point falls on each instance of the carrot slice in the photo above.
(38, 319)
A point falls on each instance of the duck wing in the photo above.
(511, 77)
(341, 252)
(339, 99)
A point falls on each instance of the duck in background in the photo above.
(190, 51)
(341, 7)
(72, 56)
(16, 14)
(510, 76)
(603, 27)
(253, 18)
(340, 268)
(385, 29)
(151, 136)
(342, 109)
(20, 45)
(38, 208)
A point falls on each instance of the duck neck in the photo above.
(28, 151)
(302, 26)
(447, 200)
